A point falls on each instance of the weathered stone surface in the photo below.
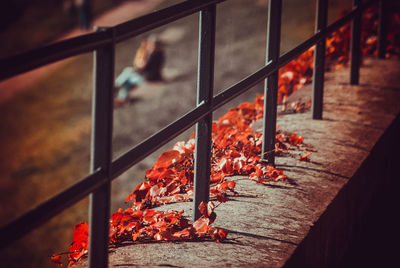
(266, 223)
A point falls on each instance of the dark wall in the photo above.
(360, 228)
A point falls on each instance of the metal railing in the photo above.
(102, 42)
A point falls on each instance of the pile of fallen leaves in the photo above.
(236, 150)
(146, 225)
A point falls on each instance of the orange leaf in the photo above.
(139, 193)
(295, 139)
(203, 209)
(166, 159)
(210, 208)
(202, 225)
(226, 185)
(79, 245)
(217, 177)
(222, 233)
(185, 233)
(305, 157)
(56, 258)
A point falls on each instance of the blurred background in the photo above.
(45, 115)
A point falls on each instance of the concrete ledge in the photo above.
(364, 209)
(316, 220)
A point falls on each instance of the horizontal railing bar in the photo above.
(304, 46)
(151, 144)
(157, 140)
(35, 58)
(50, 208)
(154, 142)
(340, 22)
(347, 18)
(298, 50)
(242, 86)
(38, 57)
(159, 18)
(261, 74)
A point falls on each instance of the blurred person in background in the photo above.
(147, 66)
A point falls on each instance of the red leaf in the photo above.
(203, 209)
(166, 159)
(56, 258)
(186, 233)
(226, 185)
(305, 157)
(202, 225)
(150, 216)
(295, 139)
(156, 191)
(139, 193)
(212, 217)
(157, 174)
(218, 234)
(79, 245)
(164, 235)
(210, 208)
(222, 233)
(206, 209)
(217, 177)
(182, 177)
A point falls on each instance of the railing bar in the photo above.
(305, 45)
(319, 61)
(205, 87)
(101, 150)
(382, 29)
(151, 144)
(159, 18)
(355, 45)
(35, 58)
(340, 22)
(298, 50)
(348, 17)
(50, 208)
(271, 83)
(345, 19)
(242, 86)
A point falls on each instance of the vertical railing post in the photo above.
(205, 85)
(271, 83)
(319, 61)
(382, 32)
(102, 114)
(355, 46)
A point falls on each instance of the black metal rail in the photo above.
(102, 42)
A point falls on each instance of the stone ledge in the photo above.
(311, 222)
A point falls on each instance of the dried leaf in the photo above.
(56, 258)
(305, 157)
(166, 159)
